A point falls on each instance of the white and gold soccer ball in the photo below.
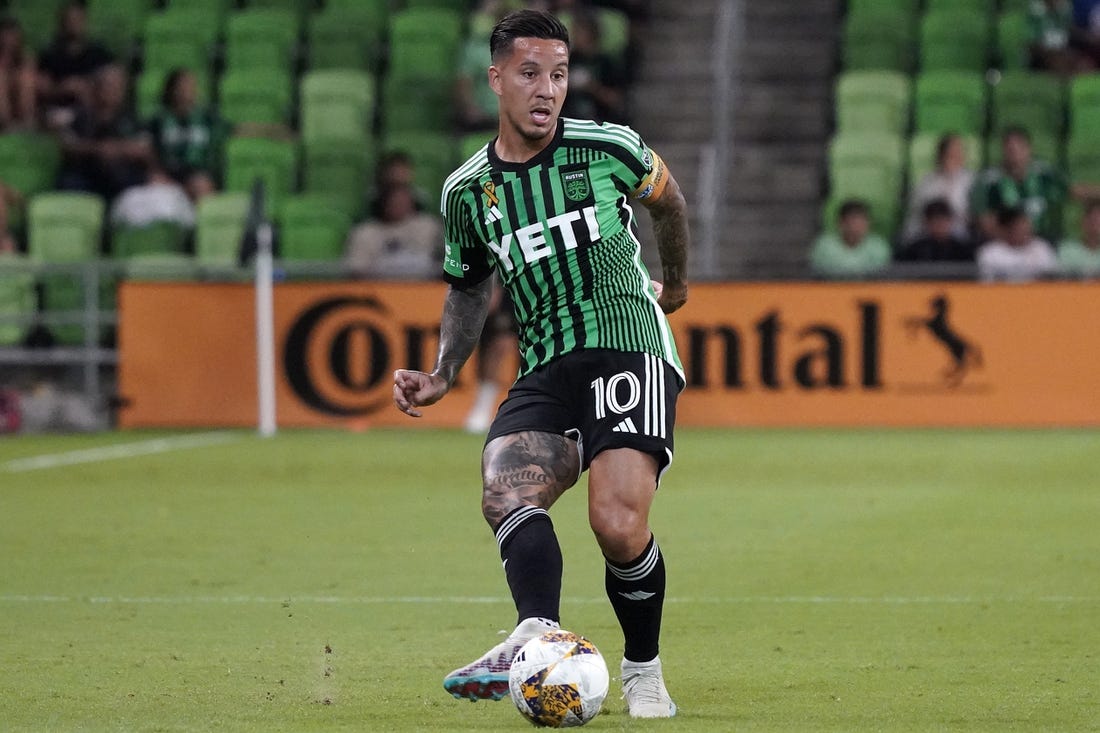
(558, 680)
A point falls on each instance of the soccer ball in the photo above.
(558, 680)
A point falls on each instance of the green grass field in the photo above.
(326, 581)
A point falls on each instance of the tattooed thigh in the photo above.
(528, 468)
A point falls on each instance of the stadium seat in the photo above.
(340, 171)
(162, 268)
(149, 89)
(950, 101)
(1084, 103)
(869, 166)
(345, 39)
(1035, 101)
(218, 9)
(273, 161)
(65, 228)
(312, 228)
(424, 43)
(118, 23)
(873, 7)
(434, 158)
(423, 105)
(922, 154)
(336, 104)
(38, 19)
(1013, 41)
(379, 10)
(183, 37)
(219, 228)
(614, 28)
(158, 238)
(885, 214)
(1083, 157)
(472, 142)
(983, 7)
(28, 163)
(18, 299)
(880, 40)
(1072, 213)
(1043, 147)
(256, 95)
(298, 8)
(261, 39)
(873, 101)
(956, 40)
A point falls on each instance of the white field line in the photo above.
(479, 600)
(118, 452)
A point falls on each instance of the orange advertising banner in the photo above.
(774, 354)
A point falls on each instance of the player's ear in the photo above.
(494, 80)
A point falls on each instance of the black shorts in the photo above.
(601, 398)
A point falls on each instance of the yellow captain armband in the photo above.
(653, 185)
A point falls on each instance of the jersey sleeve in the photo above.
(466, 259)
(640, 168)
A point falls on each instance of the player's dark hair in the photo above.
(1016, 131)
(525, 23)
(1090, 206)
(168, 91)
(852, 206)
(943, 144)
(1010, 215)
(938, 209)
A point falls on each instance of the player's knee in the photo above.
(621, 532)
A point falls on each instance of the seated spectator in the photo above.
(853, 250)
(105, 149)
(66, 67)
(1085, 34)
(596, 81)
(159, 199)
(18, 79)
(1081, 258)
(951, 180)
(188, 139)
(1017, 255)
(1051, 25)
(401, 244)
(396, 168)
(938, 240)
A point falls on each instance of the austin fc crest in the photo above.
(575, 184)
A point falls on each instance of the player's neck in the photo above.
(512, 147)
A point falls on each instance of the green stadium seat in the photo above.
(345, 39)
(218, 9)
(312, 228)
(38, 19)
(29, 163)
(183, 37)
(1073, 211)
(1035, 101)
(869, 166)
(1084, 103)
(983, 7)
(434, 158)
(950, 101)
(162, 267)
(472, 142)
(1083, 157)
(256, 95)
(379, 10)
(219, 228)
(922, 154)
(340, 171)
(875, 7)
(614, 28)
(336, 104)
(149, 89)
(880, 40)
(273, 161)
(118, 23)
(158, 238)
(18, 299)
(955, 40)
(298, 8)
(65, 228)
(1013, 41)
(1044, 146)
(885, 214)
(423, 105)
(424, 43)
(261, 39)
(873, 101)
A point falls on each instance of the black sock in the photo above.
(532, 562)
(637, 593)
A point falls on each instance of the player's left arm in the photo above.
(660, 193)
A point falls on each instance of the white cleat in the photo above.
(486, 678)
(644, 690)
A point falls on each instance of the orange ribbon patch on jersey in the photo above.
(490, 193)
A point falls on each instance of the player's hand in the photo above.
(413, 389)
(670, 296)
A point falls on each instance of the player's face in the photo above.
(531, 83)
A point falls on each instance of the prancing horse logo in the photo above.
(964, 354)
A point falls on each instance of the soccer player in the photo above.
(546, 204)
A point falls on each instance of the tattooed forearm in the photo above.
(670, 226)
(528, 468)
(464, 314)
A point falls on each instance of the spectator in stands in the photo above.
(597, 82)
(1054, 44)
(160, 198)
(105, 149)
(188, 139)
(67, 65)
(853, 250)
(1019, 182)
(938, 240)
(9, 198)
(18, 79)
(401, 243)
(395, 168)
(1085, 35)
(1017, 255)
(951, 179)
(1081, 257)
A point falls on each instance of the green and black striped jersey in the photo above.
(559, 230)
